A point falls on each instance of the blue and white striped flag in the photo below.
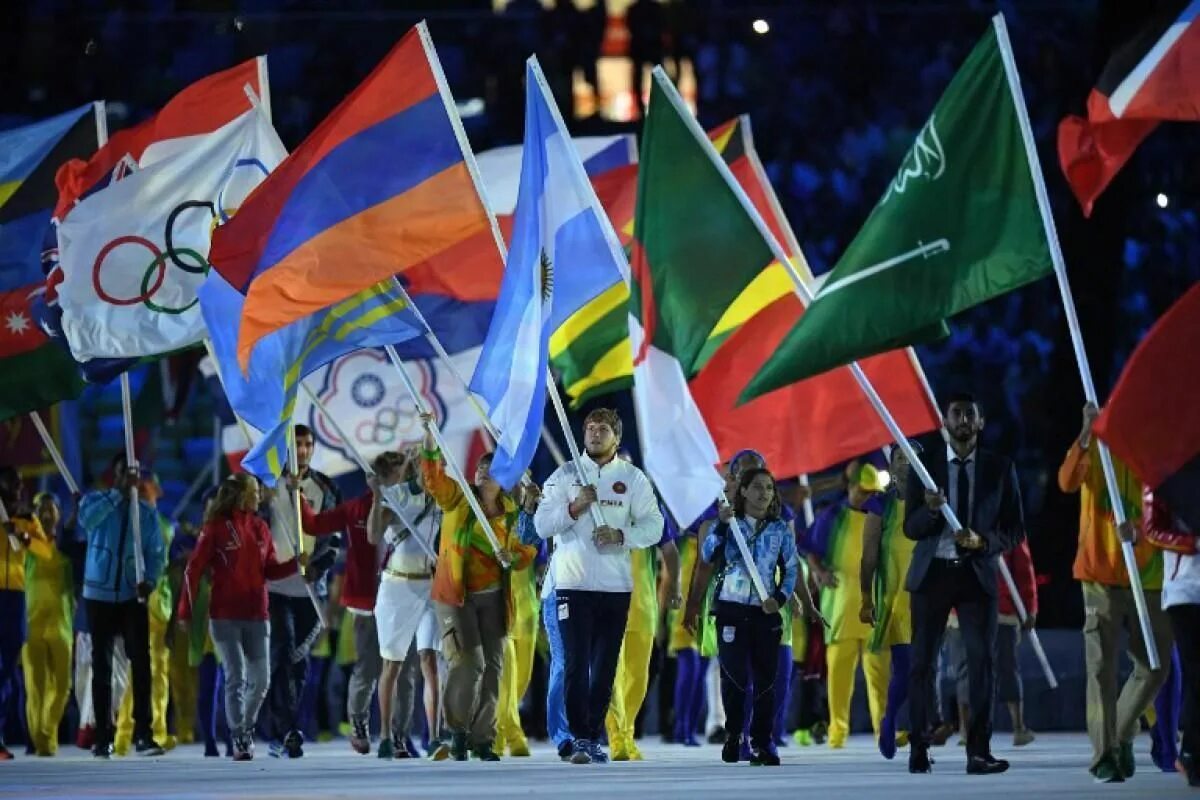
(562, 255)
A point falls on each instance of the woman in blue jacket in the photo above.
(748, 627)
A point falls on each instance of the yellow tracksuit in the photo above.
(633, 665)
(160, 604)
(519, 647)
(46, 657)
(847, 638)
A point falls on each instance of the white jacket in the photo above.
(626, 499)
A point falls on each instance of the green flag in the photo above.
(695, 248)
(958, 225)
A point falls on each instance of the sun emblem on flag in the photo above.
(16, 323)
(547, 277)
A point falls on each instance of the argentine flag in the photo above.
(563, 253)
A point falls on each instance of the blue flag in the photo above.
(559, 259)
(265, 396)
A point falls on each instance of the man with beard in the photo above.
(957, 571)
(591, 569)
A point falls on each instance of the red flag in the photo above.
(1154, 76)
(201, 108)
(1151, 421)
(810, 425)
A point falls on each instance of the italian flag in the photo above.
(695, 250)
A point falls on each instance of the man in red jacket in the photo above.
(361, 584)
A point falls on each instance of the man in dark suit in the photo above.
(957, 570)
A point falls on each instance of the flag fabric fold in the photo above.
(1146, 424)
(133, 254)
(37, 371)
(381, 187)
(958, 225)
(201, 108)
(1151, 77)
(559, 260)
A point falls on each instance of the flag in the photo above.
(37, 372)
(201, 108)
(591, 351)
(382, 186)
(811, 425)
(559, 260)
(1145, 422)
(695, 250)
(363, 391)
(265, 396)
(1152, 76)
(958, 225)
(133, 254)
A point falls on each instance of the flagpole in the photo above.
(135, 516)
(190, 493)
(212, 354)
(1081, 359)
(55, 454)
(365, 466)
(451, 462)
(860, 377)
(301, 556)
(264, 85)
(217, 450)
(555, 451)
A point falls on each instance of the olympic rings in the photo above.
(158, 263)
(223, 213)
(167, 234)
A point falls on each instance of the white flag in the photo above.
(134, 253)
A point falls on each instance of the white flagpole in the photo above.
(805, 295)
(55, 454)
(135, 515)
(451, 462)
(1068, 300)
(264, 85)
(555, 451)
(388, 491)
(191, 492)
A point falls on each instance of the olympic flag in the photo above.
(134, 254)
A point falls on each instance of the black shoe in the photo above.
(732, 751)
(458, 747)
(986, 765)
(581, 752)
(102, 750)
(566, 750)
(148, 747)
(763, 757)
(717, 736)
(484, 753)
(820, 732)
(919, 762)
(400, 749)
(293, 745)
(1189, 765)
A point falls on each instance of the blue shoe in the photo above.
(596, 753)
(887, 738)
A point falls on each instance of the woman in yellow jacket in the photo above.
(522, 635)
(471, 595)
(22, 535)
(50, 608)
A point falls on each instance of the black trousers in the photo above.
(1185, 621)
(953, 585)
(592, 625)
(129, 620)
(294, 628)
(748, 648)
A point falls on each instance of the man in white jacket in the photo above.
(591, 569)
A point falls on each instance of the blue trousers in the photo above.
(556, 703)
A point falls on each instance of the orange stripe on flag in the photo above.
(365, 249)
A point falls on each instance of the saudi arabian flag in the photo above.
(958, 225)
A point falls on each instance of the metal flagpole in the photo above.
(135, 516)
(1068, 301)
(860, 377)
(389, 495)
(55, 454)
(301, 556)
(192, 489)
(451, 462)
(555, 451)
(218, 451)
